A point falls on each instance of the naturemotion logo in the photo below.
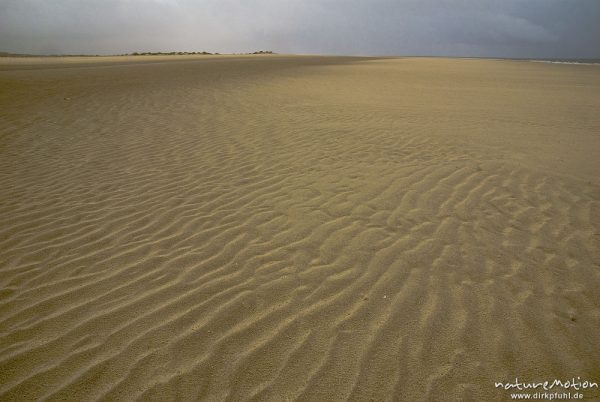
(560, 389)
(548, 385)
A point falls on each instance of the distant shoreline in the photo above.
(582, 61)
(8, 54)
(591, 62)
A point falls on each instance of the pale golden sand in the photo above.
(296, 228)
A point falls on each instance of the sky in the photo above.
(477, 28)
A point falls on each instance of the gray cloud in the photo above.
(502, 28)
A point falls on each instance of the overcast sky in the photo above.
(501, 28)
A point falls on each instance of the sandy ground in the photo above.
(297, 228)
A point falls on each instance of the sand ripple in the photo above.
(307, 229)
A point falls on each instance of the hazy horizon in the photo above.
(462, 28)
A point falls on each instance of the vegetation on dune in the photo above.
(165, 53)
(188, 53)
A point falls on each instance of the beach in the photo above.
(310, 228)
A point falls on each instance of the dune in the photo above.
(309, 228)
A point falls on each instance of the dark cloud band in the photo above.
(509, 28)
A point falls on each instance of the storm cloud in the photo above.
(493, 28)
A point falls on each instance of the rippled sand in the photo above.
(296, 228)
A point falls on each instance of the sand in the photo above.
(296, 228)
